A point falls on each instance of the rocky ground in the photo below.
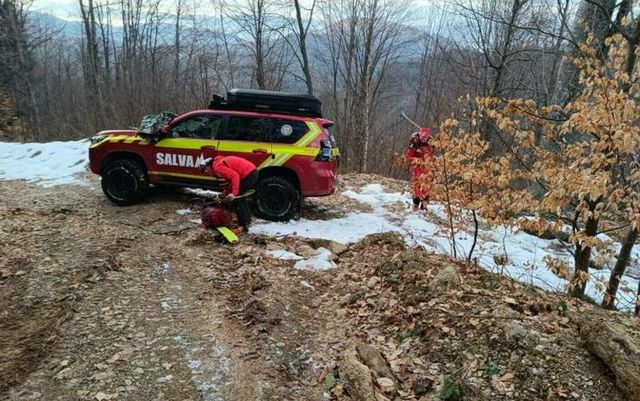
(138, 303)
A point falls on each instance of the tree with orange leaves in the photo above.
(576, 167)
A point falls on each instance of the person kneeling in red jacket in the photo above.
(240, 176)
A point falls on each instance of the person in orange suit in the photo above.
(420, 155)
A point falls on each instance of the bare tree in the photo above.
(368, 39)
(91, 59)
(295, 31)
(592, 18)
(254, 19)
(17, 45)
(176, 54)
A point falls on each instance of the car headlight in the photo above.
(98, 138)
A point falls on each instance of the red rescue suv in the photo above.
(283, 134)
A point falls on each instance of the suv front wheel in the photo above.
(277, 199)
(125, 182)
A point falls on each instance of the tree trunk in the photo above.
(616, 343)
(636, 311)
(582, 259)
(176, 54)
(303, 48)
(597, 21)
(608, 301)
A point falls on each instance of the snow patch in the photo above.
(348, 229)
(375, 196)
(47, 164)
(321, 261)
(283, 255)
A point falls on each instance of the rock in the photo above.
(618, 345)
(164, 379)
(380, 397)
(348, 299)
(306, 251)
(446, 278)
(514, 331)
(357, 378)
(403, 261)
(331, 245)
(504, 312)
(389, 238)
(371, 283)
(245, 251)
(372, 358)
(387, 385)
(274, 246)
(422, 387)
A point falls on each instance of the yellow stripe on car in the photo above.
(185, 143)
(241, 147)
(282, 153)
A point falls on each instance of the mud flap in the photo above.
(227, 235)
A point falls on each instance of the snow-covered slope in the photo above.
(525, 253)
(48, 164)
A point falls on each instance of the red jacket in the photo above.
(232, 169)
(417, 155)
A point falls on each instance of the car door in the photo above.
(191, 139)
(246, 136)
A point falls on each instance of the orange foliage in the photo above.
(566, 167)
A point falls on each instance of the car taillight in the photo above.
(325, 151)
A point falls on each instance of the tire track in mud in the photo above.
(205, 357)
(135, 326)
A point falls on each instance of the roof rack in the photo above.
(297, 104)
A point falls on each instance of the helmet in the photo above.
(421, 137)
(216, 216)
(424, 135)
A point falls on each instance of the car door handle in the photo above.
(259, 151)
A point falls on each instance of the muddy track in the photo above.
(103, 304)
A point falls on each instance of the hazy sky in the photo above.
(68, 9)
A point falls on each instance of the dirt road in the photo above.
(137, 303)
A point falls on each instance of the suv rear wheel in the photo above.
(125, 182)
(277, 199)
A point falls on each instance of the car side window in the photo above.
(203, 127)
(253, 129)
(288, 131)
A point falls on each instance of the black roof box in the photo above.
(298, 104)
